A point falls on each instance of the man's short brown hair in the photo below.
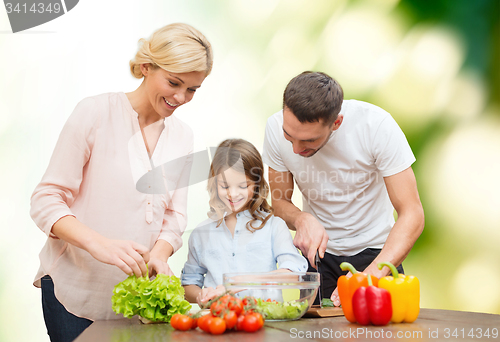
(314, 97)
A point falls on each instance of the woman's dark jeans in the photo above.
(62, 326)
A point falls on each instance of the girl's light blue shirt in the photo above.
(213, 251)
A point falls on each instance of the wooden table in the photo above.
(431, 325)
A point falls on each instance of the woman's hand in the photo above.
(129, 256)
(208, 293)
(157, 266)
(162, 250)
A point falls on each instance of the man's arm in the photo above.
(310, 234)
(403, 193)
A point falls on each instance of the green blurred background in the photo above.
(432, 64)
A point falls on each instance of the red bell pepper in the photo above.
(372, 305)
(347, 287)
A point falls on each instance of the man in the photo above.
(352, 164)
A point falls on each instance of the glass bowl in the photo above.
(281, 296)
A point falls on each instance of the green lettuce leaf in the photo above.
(156, 300)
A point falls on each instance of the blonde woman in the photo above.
(100, 228)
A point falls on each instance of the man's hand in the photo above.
(310, 237)
(335, 295)
(310, 234)
(372, 269)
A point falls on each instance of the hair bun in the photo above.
(177, 48)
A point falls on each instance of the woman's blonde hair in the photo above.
(242, 156)
(178, 48)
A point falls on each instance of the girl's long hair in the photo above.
(242, 156)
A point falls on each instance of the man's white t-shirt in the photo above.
(343, 183)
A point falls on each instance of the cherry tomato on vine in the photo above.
(194, 323)
(217, 308)
(181, 322)
(225, 299)
(174, 320)
(204, 322)
(217, 326)
(235, 305)
(239, 322)
(252, 322)
(230, 318)
(249, 301)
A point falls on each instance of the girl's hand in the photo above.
(208, 293)
(157, 266)
(129, 256)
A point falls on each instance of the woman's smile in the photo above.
(170, 105)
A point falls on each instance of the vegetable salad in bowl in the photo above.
(281, 296)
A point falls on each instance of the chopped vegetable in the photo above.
(156, 300)
(326, 302)
(281, 311)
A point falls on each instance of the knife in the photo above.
(317, 261)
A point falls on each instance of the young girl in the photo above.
(241, 234)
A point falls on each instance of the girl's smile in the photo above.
(235, 190)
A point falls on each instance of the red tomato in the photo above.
(217, 326)
(239, 322)
(185, 323)
(225, 299)
(249, 301)
(253, 322)
(204, 322)
(174, 320)
(268, 300)
(230, 318)
(195, 323)
(217, 308)
(235, 305)
(181, 322)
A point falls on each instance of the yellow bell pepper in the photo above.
(405, 294)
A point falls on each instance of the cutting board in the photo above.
(316, 311)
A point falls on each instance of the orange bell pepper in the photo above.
(347, 287)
